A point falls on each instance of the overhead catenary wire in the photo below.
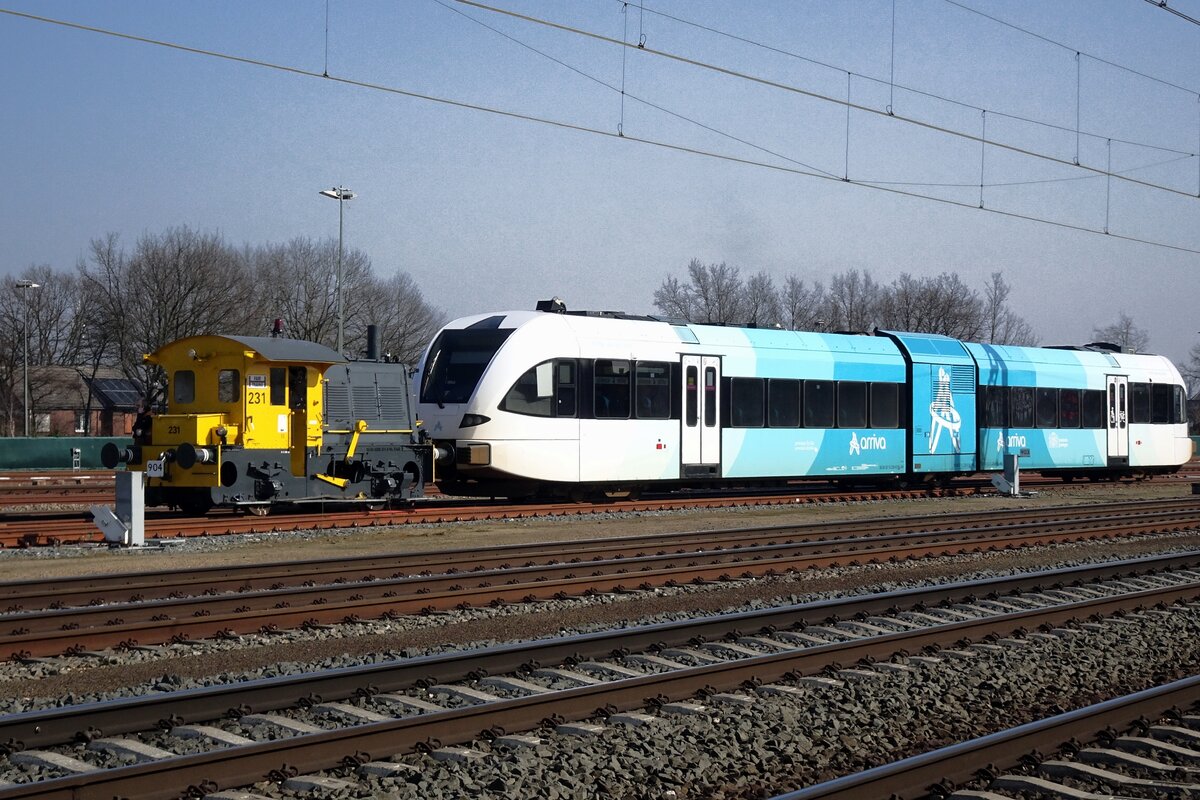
(563, 125)
(1163, 5)
(447, 4)
(813, 94)
(913, 90)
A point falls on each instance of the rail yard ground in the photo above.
(783, 741)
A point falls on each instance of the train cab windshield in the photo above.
(456, 362)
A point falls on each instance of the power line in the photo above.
(612, 87)
(626, 94)
(906, 88)
(1163, 5)
(1071, 49)
(579, 128)
(818, 96)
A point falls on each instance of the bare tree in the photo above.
(852, 302)
(175, 284)
(761, 302)
(802, 308)
(1191, 371)
(1124, 333)
(714, 294)
(1001, 324)
(407, 322)
(674, 299)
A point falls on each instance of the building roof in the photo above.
(60, 388)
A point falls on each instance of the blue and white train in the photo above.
(558, 403)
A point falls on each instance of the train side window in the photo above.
(851, 404)
(1180, 415)
(298, 388)
(1139, 402)
(746, 403)
(185, 386)
(278, 386)
(995, 407)
(1020, 406)
(1046, 408)
(1160, 403)
(691, 403)
(710, 397)
(1092, 408)
(229, 385)
(564, 388)
(611, 381)
(783, 403)
(885, 405)
(533, 393)
(1068, 408)
(652, 390)
(818, 404)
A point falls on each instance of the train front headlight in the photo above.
(472, 420)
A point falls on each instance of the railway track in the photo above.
(356, 718)
(1013, 759)
(93, 613)
(60, 528)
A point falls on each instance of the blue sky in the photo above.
(488, 212)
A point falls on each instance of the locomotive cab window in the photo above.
(229, 386)
(297, 388)
(278, 382)
(611, 381)
(185, 386)
(653, 390)
(533, 393)
(456, 362)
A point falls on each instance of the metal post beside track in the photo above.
(127, 524)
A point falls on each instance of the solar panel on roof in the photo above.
(117, 391)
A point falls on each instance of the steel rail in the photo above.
(34, 533)
(241, 765)
(55, 632)
(55, 725)
(948, 766)
(42, 593)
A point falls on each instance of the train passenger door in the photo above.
(1118, 420)
(700, 426)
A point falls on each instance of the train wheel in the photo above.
(259, 510)
(195, 504)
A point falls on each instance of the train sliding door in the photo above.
(700, 426)
(1118, 420)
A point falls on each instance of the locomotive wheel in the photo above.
(195, 504)
(259, 510)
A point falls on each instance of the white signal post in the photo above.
(25, 285)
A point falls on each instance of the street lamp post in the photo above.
(25, 285)
(341, 194)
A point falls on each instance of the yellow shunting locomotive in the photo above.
(256, 421)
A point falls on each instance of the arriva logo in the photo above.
(1013, 441)
(860, 443)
